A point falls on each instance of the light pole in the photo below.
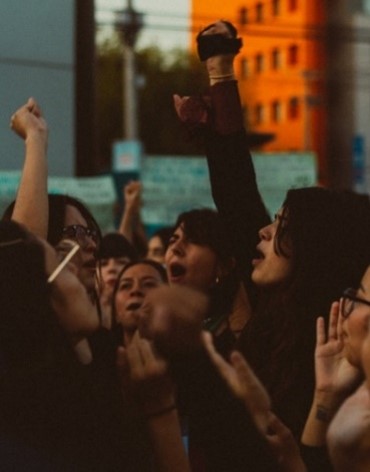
(128, 22)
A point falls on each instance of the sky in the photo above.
(167, 21)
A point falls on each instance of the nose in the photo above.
(265, 233)
(111, 266)
(178, 247)
(136, 289)
(90, 245)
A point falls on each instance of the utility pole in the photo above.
(128, 22)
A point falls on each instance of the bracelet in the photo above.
(323, 414)
(226, 76)
(161, 412)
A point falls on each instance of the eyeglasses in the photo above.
(67, 256)
(349, 300)
(81, 234)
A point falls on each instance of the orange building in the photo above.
(281, 68)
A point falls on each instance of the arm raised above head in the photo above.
(31, 204)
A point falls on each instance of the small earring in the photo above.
(217, 280)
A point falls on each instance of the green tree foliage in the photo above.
(161, 74)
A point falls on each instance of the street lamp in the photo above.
(128, 22)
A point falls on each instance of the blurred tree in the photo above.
(160, 75)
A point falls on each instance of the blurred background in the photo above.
(104, 73)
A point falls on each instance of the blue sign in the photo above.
(358, 160)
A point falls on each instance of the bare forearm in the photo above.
(31, 206)
(127, 223)
(165, 434)
(322, 411)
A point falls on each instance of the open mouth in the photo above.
(177, 271)
(258, 257)
(133, 306)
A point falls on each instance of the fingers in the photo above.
(27, 117)
(320, 331)
(340, 318)
(333, 321)
(143, 361)
(178, 104)
(33, 107)
(222, 366)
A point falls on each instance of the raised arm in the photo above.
(131, 225)
(246, 387)
(232, 175)
(145, 376)
(31, 205)
(335, 379)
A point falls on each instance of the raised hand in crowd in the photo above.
(173, 317)
(335, 378)
(28, 123)
(131, 225)
(244, 384)
(145, 378)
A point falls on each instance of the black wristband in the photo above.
(214, 44)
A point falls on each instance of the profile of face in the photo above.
(85, 260)
(191, 264)
(269, 268)
(76, 314)
(156, 250)
(355, 326)
(135, 282)
(108, 271)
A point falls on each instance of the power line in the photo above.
(362, 34)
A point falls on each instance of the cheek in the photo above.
(120, 302)
(103, 272)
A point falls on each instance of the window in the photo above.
(276, 58)
(259, 12)
(275, 7)
(293, 110)
(244, 68)
(276, 111)
(259, 113)
(293, 55)
(243, 16)
(292, 5)
(259, 63)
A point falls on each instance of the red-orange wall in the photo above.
(304, 80)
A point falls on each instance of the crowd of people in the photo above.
(228, 342)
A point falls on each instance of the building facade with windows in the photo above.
(280, 69)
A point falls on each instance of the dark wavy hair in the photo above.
(205, 228)
(329, 235)
(57, 212)
(30, 335)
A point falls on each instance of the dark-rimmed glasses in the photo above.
(349, 299)
(67, 256)
(81, 234)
